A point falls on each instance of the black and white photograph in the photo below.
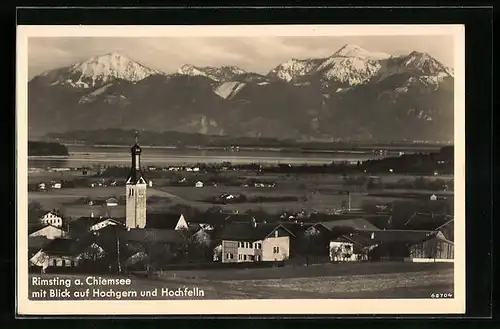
(246, 169)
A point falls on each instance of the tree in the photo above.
(335, 253)
(198, 247)
(35, 210)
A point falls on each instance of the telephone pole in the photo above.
(118, 251)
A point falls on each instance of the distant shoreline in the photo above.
(355, 149)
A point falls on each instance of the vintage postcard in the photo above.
(205, 170)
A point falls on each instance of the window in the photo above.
(231, 256)
(54, 262)
(239, 257)
(63, 262)
(227, 256)
(244, 257)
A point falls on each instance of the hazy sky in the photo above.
(257, 54)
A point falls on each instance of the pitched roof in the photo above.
(136, 176)
(32, 228)
(398, 236)
(38, 242)
(296, 228)
(354, 223)
(151, 235)
(246, 231)
(87, 222)
(166, 221)
(449, 222)
(426, 221)
(359, 239)
(63, 247)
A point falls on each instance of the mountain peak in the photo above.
(426, 64)
(222, 73)
(99, 70)
(350, 50)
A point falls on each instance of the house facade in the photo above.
(66, 253)
(436, 249)
(348, 249)
(102, 224)
(48, 231)
(261, 243)
(52, 218)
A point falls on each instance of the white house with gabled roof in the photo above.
(52, 218)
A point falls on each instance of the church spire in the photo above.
(135, 171)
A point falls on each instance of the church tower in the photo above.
(136, 191)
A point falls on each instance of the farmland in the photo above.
(160, 198)
(312, 192)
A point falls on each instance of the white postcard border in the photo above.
(243, 307)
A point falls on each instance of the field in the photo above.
(314, 192)
(354, 280)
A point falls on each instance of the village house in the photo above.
(45, 230)
(52, 218)
(65, 253)
(83, 225)
(149, 245)
(350, 247)
(111, 202)
(435, 249)
(247, 242)
(199, 184)
(35, 244)
(448, 229)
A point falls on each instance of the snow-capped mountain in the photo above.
(98, 71)
(358, 52)
(352, 94)
(418, 63)
(348, 71)
(352, 65)
(222, 73)
(295, 68)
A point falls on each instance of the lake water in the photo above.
(81, 155)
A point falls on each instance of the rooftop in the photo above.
(152, 235)
(247, 231)
(354, 223)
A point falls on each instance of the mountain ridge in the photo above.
(351, 94)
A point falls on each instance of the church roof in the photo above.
(136, 176)
(162, 221)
